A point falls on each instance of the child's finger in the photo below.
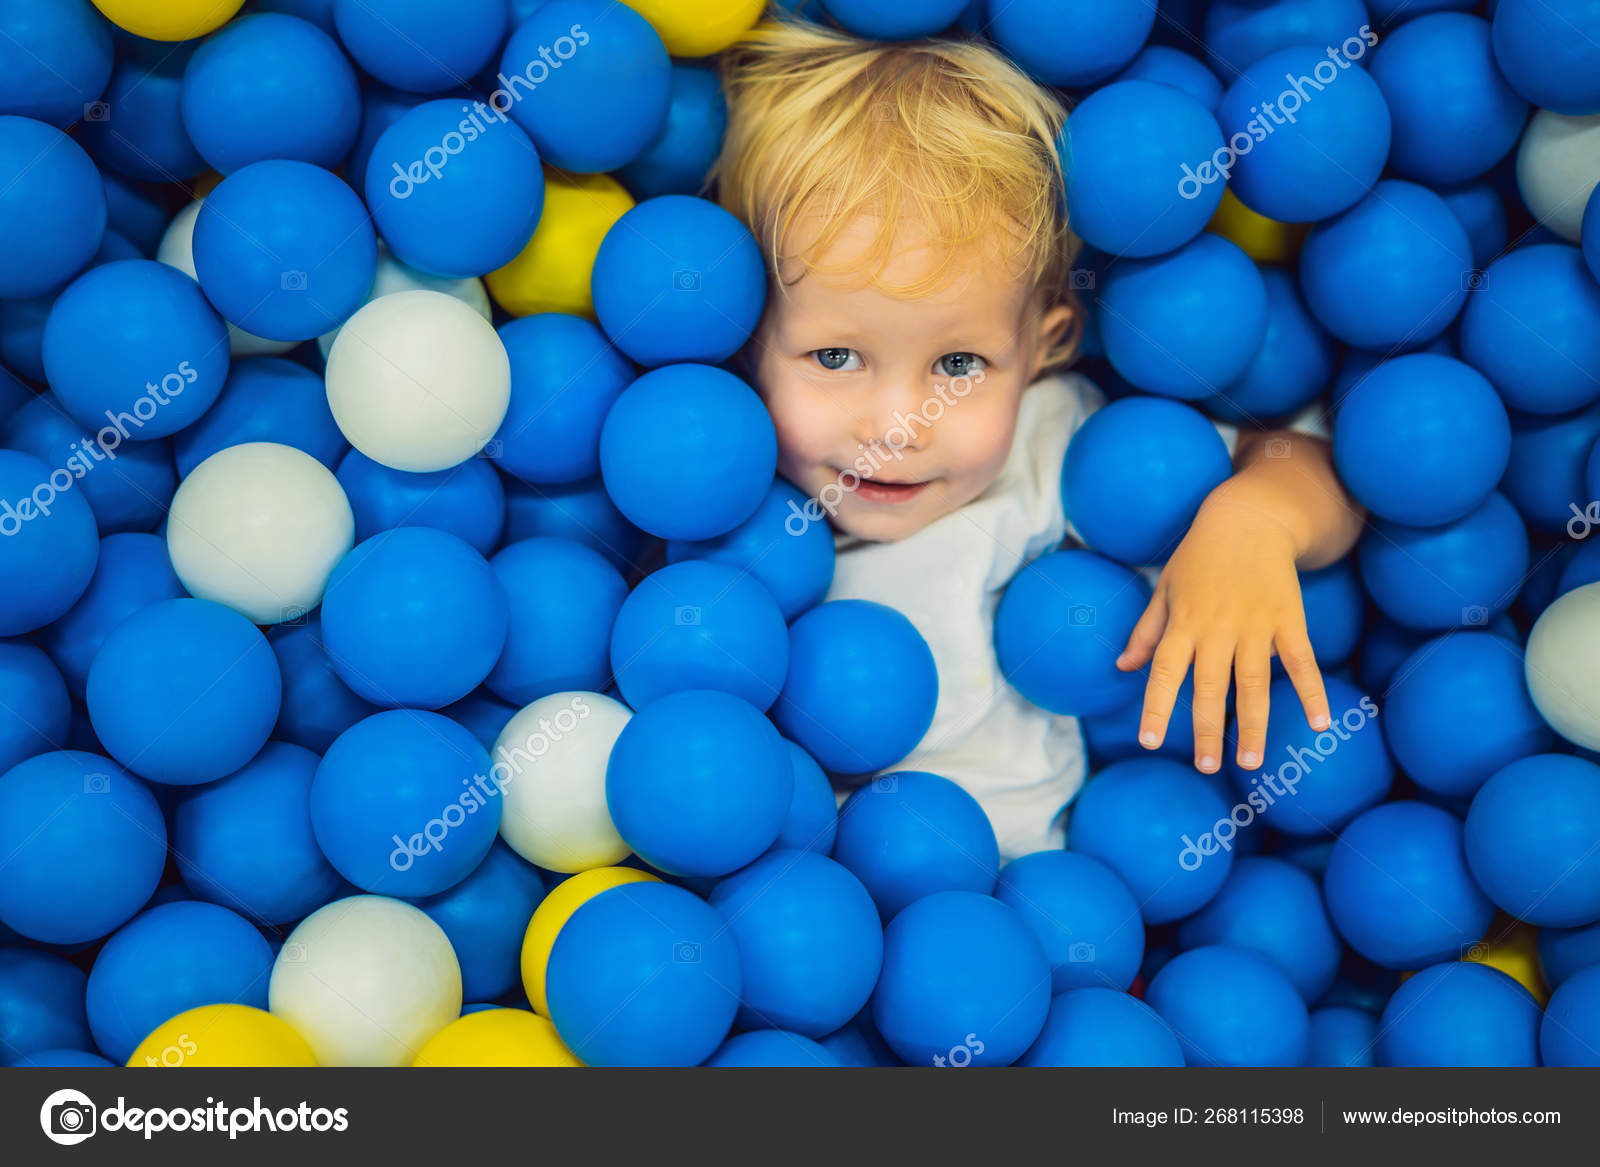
(1213, 670)
(1253, 671)
(1146, 634)
(1300, 662)
(1170, 666)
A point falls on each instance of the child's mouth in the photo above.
(874, 490)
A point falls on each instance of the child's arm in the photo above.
(1230, 595)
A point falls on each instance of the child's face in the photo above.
(894, 412)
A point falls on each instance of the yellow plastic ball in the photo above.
(552, 273)
(698, 28)
(1262, 239)
(552, 915)
(223, 1035)
(497, 1037)
(169, 20)
(1514, 952)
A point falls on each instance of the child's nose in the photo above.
(897, 419)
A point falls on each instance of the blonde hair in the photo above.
(948, 134)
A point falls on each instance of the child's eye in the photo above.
(959, 364)
(838, 360)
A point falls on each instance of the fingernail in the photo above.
(1147, 738)
(1248, 759)
(1320, 722)
(1208, 763)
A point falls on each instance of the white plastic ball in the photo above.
(177, 250)
(1558, 166)
(394, 276)
(259, 527)
(552, 760)
(418, 381)
(1562, 665)
(366, 981)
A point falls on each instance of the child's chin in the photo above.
(879, 527)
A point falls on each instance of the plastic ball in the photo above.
(285, 249)
(1060, 627)
(1569, 1034)
(1135, 474)
(1115, 735)
(168, 20)
(1103, 1027)
(770, 1048)
(1262, 239)
(497, 1037)
(895, 20)
(423, 46)
(41, 1004)
(1548, 51)
(564, 598)
(134, 351)
(1560, 671)
(1330, 153)
(223, 1035)
(1292, 366)
(176, 249)
(644, 975)
(1548, 460)
(425, 182)
(56, 60)
(1342, 1036)
(679, 161)
(565, 377)
(554, 786)
(688, 452)
(264, 399)
(418, 381)
(1458, 710)
(64, 1059)
(135, 211)
(49, 545)
(580, 511)
(1231, 1007)
(148, 141)
(813, 820)
(1557, 169)
(1513, 948)
(485, 916)
(271, 86)
(1083, 915)
(1239, 33)
(184, 691)
(468, 501)
(1459, 1014)
(1399, 890)
(1591, 234)
(1185, 324)
(553, 272)
(260, 528)
(482, 715)
(366, 981)
(53, 208)
(1528, 839)
(1483, 215)
(679, 279)
(984, 1009)
(862, 686)
(1461, 574)
(1336, 611)
(1533, 329)
(394, 276)
(553, 914)
(1144, 818)
(699, 625)
(246, 842)
(1071, 45)
(1170, 66)
(1563, 952)
(590, 81)
(86, 843)
(317, 705)
(35, 708)
(699, 783)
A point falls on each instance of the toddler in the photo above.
(910, 201)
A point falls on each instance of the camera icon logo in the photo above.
(1475, 615)
(686, 616)
(493, 448)
(294, 953)
(97, 111)
(1082, 279)
(1474, 281)
(1278, 447)
(1080, 953)
(293, 281)
(68, 1117)
(686, 281)
(886, 784)
(97, 783)
(292, 616)
(1081, 615)
(686, 952)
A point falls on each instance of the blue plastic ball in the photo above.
(688, 452)
(1458, 710)
(699, 783)
(482, 716)
(1239, 33)
(564, 598)
(424, 46)
(813, 820)
(1533, 328)
(285, 250)
(1482, 215)
(1121, 147)
(580, 511)
(1231, 1007)
(1135, 474)
(414, 616)
(85, 842)
(699, 625)
(246, 841)
(1170, 66)
(64, 1059)
(485, 917)
(1323, 161)
(770, 1048)
(136, 128)
(1342, 1037)
(41, 1004)
(1398, 888)
(467, 501)
(910, 834)
(644, 975)
(1071, 44)
(810, 944)
(1292, 366)
(134, 351)
(400, 804)
(1083, 915)
(680, 159)
(679, 279)
(55, 59)
(52, 207)
(862, 686)
(984, 1009)
(1336, 611)
(317, 705)
(170, 959)
(184, 691)
(265, 399)
(1566, 951)
(1549, 50)
(270, 86)
(137, 211)
(1590, 230)
(1115, 735)
(1462, 574)
(1530, 840)
(589, 80)
(1459, 1013)
(35, 708)
(1546, 474)
(565, 376)
(1186, 324)
(1569, 1034)
(895, 20)
(1060, 627)
(1103, 1027)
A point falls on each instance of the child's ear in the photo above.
(1057, 320)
